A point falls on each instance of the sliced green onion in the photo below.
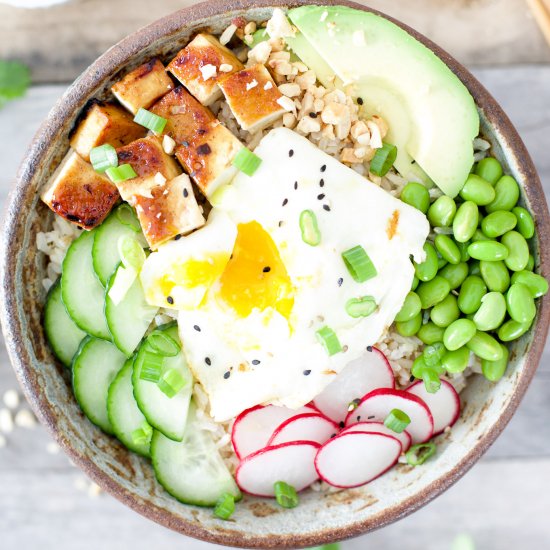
(359, 264)
(121, 173)
(354, 404)
(432, 383)
(142, 434)
(246, 161)
(433, 354)
(418, 454)
(331, 546)
(151, 366)
(309, 228)
(225, 506)
(383, 159)
(286, 494)
(171, 383)
(124, 279)
(103, 157)
(328, 338)
(397, 421)
(163, 344)
(131, 252)
(125, 215)
(361, 307)
(151, 121)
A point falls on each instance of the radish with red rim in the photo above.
(378, 427)
(304, 427)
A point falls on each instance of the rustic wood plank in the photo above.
(59, 42)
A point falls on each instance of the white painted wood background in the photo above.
(503, 503)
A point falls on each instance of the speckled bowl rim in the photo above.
(105, 66)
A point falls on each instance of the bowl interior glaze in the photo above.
(320, 518)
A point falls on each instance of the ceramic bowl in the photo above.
(258, 523)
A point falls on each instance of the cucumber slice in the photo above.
(122, 221)
(94, 368)
(123, 412)
(81, 291)
(168, 415)
(192, 471)
(62, 333)
(128, 321)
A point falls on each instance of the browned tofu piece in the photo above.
(252, 96)
(147, 157)
(167, 209)
(79, 194)
(104, 123)
(202, 64)
(143, 86)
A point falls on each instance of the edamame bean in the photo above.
(506, 195)
(518, 251)
(498, 223)
(458, 334)
(444, 313)
(512, 330)
(495, 275)
(485, 346)
(530, 263)
(463, 247)
(520, 303)
(471, 292)
(433, 292)
(526, 224)
(409, 328)
(494, 370)
(442, 212)
(441, 261)
(479, 236)
(456, 360)
(491, 312)
(537, 285)
(416, 195)
(455, 274)
(478, 190)
(474, 268)
(448, 249)
(489, 169)
(414, 283)
(427, 270)
(430, 333)
(488, 251)
(465, 222)
(411, 308)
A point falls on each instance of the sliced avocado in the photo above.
(432, 117)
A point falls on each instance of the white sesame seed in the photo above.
(168, 144)
(227, 34)
(6, 421)
(11, 399)
(208, 71)
(25, 419)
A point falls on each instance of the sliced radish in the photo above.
(354, 458)
(379, 403)
(289, 462)
(378, 427)
(444, 404)
(304, 427)
(253, 427)
(369, 372)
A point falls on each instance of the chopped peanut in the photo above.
(375, 136)
(290, 90)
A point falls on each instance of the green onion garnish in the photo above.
(433, 354)
(163, 344)
(171, 383)
(121, 173)
(151, 366)
(225, 506)
(397, 421)
(359, 264)
(103, 157)
(383, 159)
(123, 281)
(309, 228)
(246, 161)
(361, 307)
(131, 252)
(125, 215)
(142, 434)
(432, 383)
(151, 121)
(328, 338)
(418, 454)
(331, 546)
(286, 495)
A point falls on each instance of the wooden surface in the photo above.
(502, 503)
(59, 42)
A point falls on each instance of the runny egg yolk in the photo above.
(255, 276)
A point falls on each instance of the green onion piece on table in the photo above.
(151, 366)
(225, 506)
(309, 228)
(361, 307)
(383, 159)
(103, 157)
(151, 121)
(418, 454)
(171, 383)
(328, 338)
(397, 421)
(286, 495)
(246, 161)
(118, 174)
(359, 264)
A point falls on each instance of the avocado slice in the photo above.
(432, 117)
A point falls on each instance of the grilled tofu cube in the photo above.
(147, 157)
(104, 123)
(143, 86)
(166, 209)
(79, 194)
(197, 67)
(253, 98)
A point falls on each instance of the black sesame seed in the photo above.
(340, 281)
(185, 193)
(177, 237)
(321, 182)
(313, 115)
(255, 361)
(359, 101)
(266, 269)
(323, 168)
(321, 196)
(295, 185)
(369, 348)
(281, 223)
(358, 418)
(285, 202)
(326, 207)
(307, 372)
(170, 300)
(411, 378)
(372, 417)
(342, 424)
(207, 361)
(332, 436)
(226, 375)
(291, 153)
(197, 328)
